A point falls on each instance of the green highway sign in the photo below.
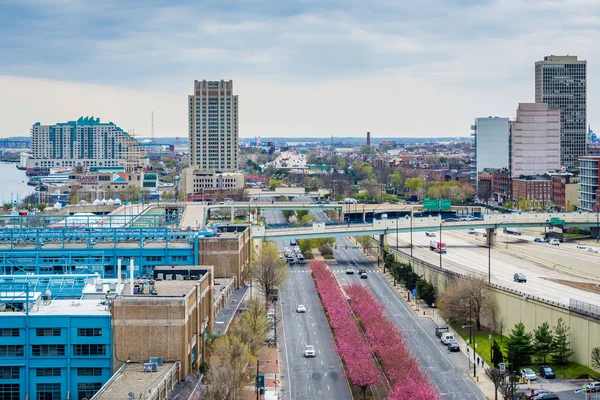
(557, 221)
(437, 204)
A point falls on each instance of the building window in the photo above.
(89, 371)
(41, 350)
(48, 391)
(9, 332)
(10, 392)
(11, 350)
(47, 332)
(154, 258)
(89, 349)
(179, 258)
(89, 332)
(10, 373)
(47, 372)
(87, 389)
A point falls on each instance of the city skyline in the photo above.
(303, 70)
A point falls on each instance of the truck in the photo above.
(437, 246)
(554, 235)
(514, 231)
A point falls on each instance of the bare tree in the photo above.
(595, 356)
(253, 326)
(230, 369)
(497, 377)
(466, 299)
(269, 271)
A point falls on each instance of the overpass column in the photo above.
(491, 236)
(381, 247)
(364, 216)
(232, 214)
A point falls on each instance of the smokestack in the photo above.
(368, 138)
(131, 277)
(119, 276)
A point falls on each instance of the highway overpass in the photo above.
(432, 223)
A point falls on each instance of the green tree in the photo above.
(6, 206)
(509, 205)
(42, 206)
(29, 206)
(230, 368)
(519, 347)
(595, 356)
(253, 326)
(542, 340)
(497, 356)
(414, 184)
(561, 350)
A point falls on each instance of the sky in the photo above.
(301, 68)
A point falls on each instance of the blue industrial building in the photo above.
(52, 349)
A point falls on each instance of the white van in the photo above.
(554, 242)
(447, 337)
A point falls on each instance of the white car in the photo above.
(271, 312)
(349, 271)
(593, 385)
(529, 374)
(309, 351)
(430, 234)
(300, 308)
(581, 246)
(592, 250)
(472, 232)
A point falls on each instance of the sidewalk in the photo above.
(225, 316)
(269, 365)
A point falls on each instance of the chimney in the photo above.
(368, 138)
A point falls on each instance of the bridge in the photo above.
(431, 223)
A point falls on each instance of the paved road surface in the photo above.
(274, 218)
(318, 378)
(467, 256)
(446, 370)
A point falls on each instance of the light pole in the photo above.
(411, 229)
(473, 346)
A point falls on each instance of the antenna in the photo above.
(152, 129)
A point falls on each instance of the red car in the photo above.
(536, 392)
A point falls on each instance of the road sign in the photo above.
(414, 292)
(502, 366)
(557, 221)
(436, 204)
(260, 380)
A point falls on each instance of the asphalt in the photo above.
(448, 371)
(318, 378)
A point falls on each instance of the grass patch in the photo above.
(328, 256)
(567, 371)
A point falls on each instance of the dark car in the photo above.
(453, 346)
(546, 396)
(519, 277)
(547, 372)
(362, 270)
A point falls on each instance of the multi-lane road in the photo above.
(322, 377)
(447, 371)
(468, 255)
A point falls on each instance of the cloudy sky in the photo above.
(300, 67)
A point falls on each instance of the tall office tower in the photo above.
(213, 134)
(491, 143)
(534, 140)
(560, 82)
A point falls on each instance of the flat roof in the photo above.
(165, 288)
(68, 307)
(133, 379)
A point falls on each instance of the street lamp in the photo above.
(474, 346)
(411, 229)
(440, 245)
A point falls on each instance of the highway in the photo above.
(469, 256)
(448, 371)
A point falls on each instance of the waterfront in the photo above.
(13, 183)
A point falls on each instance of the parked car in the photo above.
(430, 234)
(453, 346)
(519, 277)
(581, 246)
(592, 250)
(546, 396)
(538, 240)
(593, 386)
(528, 374)
(441, 330)
(300, 308)
(547, 372)
(447, 338)
(349, 271)
(309, 351)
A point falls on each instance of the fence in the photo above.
(581, 307)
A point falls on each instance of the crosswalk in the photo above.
(337, 271)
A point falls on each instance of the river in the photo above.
(13, 183)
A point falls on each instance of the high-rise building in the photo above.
(491, 144)
(560, 82)
(213, 126)
(589, 193)
(534, 140)
(86, 143)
